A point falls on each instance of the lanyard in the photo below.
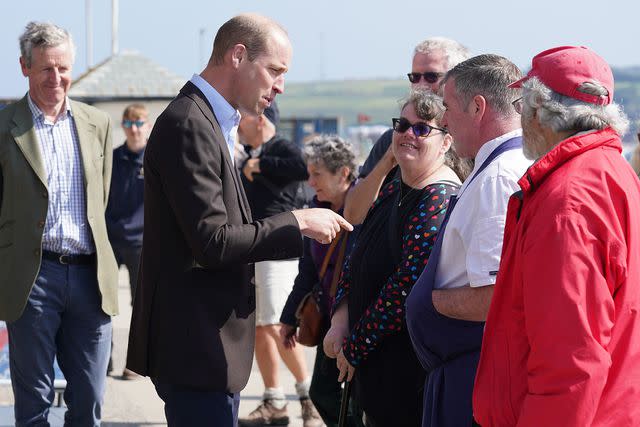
(508, 145)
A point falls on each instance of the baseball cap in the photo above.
(563, 69)
(272, 113)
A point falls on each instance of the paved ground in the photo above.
(135, 403)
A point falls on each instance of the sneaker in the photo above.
(310, 416)
(266, 415)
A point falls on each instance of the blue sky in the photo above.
(332, 39)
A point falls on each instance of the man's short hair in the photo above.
(43, 34)
(135, 111)
(453, 51)
(487, 75)
(251, 30)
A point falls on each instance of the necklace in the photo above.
(411, 189)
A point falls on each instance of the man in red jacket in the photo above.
(562, 339)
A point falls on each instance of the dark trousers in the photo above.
(189, 407)
(130, 257)
(325, 392)
(63, 318)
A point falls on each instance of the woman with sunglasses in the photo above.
(368, 333)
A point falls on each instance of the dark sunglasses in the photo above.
(430, 77)
(129, 123)
(420, 129)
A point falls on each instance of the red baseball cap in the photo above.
(563, 69)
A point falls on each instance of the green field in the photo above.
(379, 99)
(346, 99)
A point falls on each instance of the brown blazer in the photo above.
(193, 316)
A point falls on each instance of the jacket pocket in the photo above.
(500, 377)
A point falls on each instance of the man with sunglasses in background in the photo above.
(432, 58)
(125, 210)
(448, 304)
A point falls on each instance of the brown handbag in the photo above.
(308, 312)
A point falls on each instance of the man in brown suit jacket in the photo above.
(192, 329)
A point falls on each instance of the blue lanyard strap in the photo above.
(508, 145)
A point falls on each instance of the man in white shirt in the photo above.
(450, 300)
(479, 119)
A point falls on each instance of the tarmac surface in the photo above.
(134, 403)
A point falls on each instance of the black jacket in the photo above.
(276, 188)
(125, 211)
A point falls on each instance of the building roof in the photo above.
(127, 75)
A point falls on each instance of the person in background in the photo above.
(432, 58)
(449, 302)
(125, 210)
(331, 165)
(368, 332)
(562, 339)
(58, 275)
(271, 176)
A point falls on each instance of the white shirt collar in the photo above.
(37, 113)
(484, 152)
(489, 146)
(227, 116)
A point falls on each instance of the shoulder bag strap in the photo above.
(338, 266)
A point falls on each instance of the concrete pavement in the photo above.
(135, 403)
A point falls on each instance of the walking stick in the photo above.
(344, 404)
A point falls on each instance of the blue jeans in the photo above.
(63, 317)
(186, 407)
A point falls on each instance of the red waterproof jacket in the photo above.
(562, 339)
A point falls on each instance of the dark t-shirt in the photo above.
(376, 153)
(392, 248)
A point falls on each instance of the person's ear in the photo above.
(23, 67)
(478, 107)
(238, 54)
(344, 172)
(446, 143)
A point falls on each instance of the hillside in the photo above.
(379, 99)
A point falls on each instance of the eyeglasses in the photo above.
(430, 77)
(420, 129)
(518, 105)
(129, 123)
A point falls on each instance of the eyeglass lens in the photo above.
(430, 77)
(419, 129)
(130, 123)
